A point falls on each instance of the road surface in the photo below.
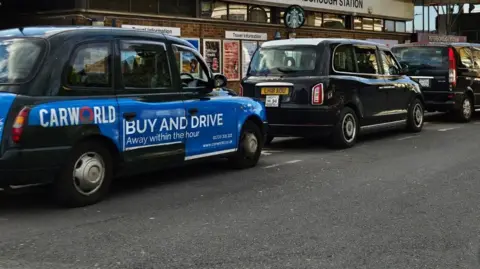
(396, 200)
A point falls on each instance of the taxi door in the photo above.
(212, 119)
(152, 111)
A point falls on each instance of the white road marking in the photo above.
(272, 166)
(279, 164)
(407, 137)
(447, 129)
(270, 152)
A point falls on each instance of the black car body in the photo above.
(336, 87)
(80, 105)
(448, 74)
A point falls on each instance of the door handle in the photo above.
(129, 115)
(193, 111)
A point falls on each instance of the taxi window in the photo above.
(194, 72)
(390, 66)
(343, 60)
(145, 65)
(476, 57)
(426, 56)
(90, 66)
(189, 63)
(285, 60)
(366, 60)
(465, 57)
(19, 58)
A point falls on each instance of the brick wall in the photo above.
(199, 28)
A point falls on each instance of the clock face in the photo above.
(294, 17)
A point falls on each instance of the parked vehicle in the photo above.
(335, 87)
(79, 106)
(448, 74)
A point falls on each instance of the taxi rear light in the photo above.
(317, 94)
(19, 124)
(240, 91)
(452, 67)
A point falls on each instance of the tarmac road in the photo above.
(396, 200)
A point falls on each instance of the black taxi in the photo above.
(335, 87)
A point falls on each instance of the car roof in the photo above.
(317, 41)
(439, 44)
(51, 31)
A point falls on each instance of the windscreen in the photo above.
(19, 58)
(298, 60)
(429, 57)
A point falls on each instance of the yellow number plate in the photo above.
(274, 91)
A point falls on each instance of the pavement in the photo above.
(396, 200)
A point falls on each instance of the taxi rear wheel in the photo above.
(249, 147)
(86, 177)
(345, 132)
(464, 114)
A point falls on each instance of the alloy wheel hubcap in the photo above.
(250, 144)
(349, 128)
(467, 108)
(418, 115)
(88, 173)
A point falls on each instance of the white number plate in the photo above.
(272, 101)
(424, 82)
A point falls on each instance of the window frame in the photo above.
(201, 62)
(385, 26)
(107, 90)
(350, 47)
(458, 49)
(386, 52)
(129, 90)
(473, 49)
(377, 57)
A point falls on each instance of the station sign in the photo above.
(173, 31)
(245, 35)
(434, 38)
(390, 8)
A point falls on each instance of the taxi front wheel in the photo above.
(249, 147)
(86, 176)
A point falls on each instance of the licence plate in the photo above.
(272, 101)
(274, 91)
(424, 82)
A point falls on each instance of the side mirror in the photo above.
(403, 68)
(219, 81)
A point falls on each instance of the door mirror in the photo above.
(219, 81)
(403, 68)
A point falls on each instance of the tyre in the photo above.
(415, 117)
(269, 139)
(249, 147)
(86, 176)
(345, 132)
(464, 114)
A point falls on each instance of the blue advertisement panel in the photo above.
(195, 42)
(6, 100)
(102, 113)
